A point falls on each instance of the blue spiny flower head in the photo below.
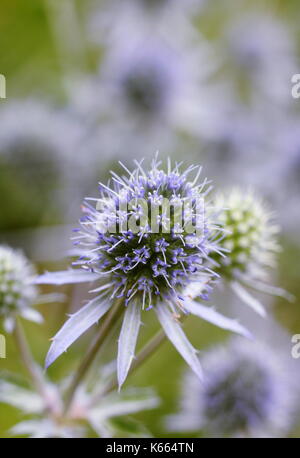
(148, 252)
(17, 292)
(148, 243)
(245, 393)
(250, 238)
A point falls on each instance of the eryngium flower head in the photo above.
(17, 293)
(246, 393)
(147, 257)
(250, 239)
(138, 238)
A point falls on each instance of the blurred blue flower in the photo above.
(149, 92)
(248, 392)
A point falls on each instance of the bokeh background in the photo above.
(90, 83)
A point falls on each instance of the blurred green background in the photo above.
(31, 63)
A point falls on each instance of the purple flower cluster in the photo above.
(147, 263)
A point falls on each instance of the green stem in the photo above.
(108, 324)
(27, 359)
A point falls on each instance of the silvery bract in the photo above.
(90, 413)
(161, 267)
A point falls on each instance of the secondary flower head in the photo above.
(157, 80)
(149, 91)
(250, 233)
(148, 80)
(246, 393)
(17, 292)
(148, 241)
(250, 239)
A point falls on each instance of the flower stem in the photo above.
(108, 324)
(148, 350)
(27, 359)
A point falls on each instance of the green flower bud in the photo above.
(16, 288)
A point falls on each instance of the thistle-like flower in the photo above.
(145, 84)
(148, 242)
(248, 392)
(17, 292)
(89, 414)
(251, 240)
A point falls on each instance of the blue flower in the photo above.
(249, 391)
(154, 268)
